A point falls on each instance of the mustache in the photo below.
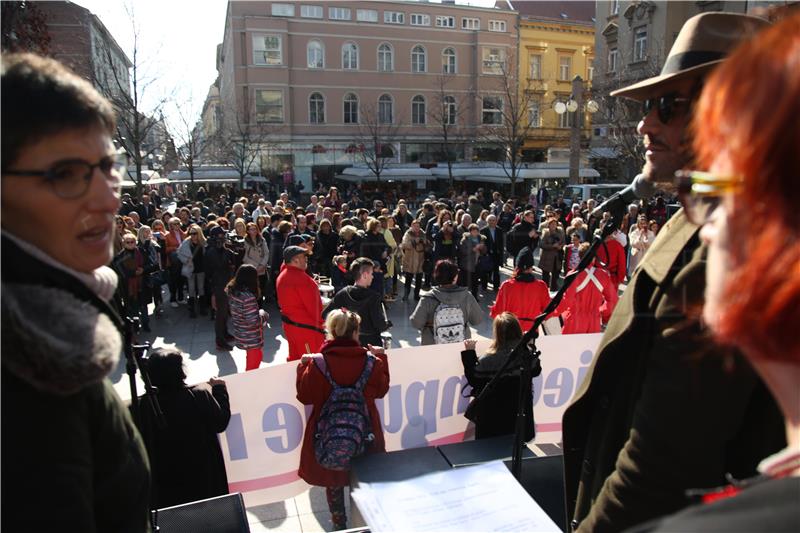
(655, 141)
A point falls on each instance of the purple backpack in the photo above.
(344, 429)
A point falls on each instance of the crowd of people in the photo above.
(688, 418)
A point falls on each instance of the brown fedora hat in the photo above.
(703, 43)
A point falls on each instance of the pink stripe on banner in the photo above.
(548, 428)
(450, 439)
(263, 482)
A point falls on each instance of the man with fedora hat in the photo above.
(300, 304)
(661, 410)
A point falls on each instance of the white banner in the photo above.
(424, 407)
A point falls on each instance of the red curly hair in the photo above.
(750, 109)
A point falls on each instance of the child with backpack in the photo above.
(247, 318)
(342, 384)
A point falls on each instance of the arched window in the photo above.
(350, 56)
(418, 110)
(386, 151)
(316, 54)
(350, 109)
(385, 58)
(449, 61)
(385, 109)
(450, 110)
(316, 109)
(418, 59)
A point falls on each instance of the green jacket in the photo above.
(662, 410)
(72, 460)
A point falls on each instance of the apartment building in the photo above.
(315, 79)
(556, 43)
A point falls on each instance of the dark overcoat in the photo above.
(661, 410)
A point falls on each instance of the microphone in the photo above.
(640, 188)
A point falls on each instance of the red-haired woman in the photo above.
(748, 137)
(523, 295)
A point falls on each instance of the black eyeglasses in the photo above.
(70, 179)
(666, 106)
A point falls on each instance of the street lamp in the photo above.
(572, 105)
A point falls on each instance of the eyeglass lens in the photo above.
(71, 179)
(663, 104)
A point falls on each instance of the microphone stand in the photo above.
(526, 355)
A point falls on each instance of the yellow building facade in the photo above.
(551, 54)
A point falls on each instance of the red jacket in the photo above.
(299, 300)
(582, 309)
(345, 359)
(526, 298)
(614, 261)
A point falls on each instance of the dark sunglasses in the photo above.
(666, 106)
(70, 179)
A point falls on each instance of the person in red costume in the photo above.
(611, 254)
(523, 294)
(301, 304)
(591, 296)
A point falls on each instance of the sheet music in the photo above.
(485, 497)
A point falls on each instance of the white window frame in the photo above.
(447, 67)
(590, 71)
(497, 25)
(565, 68)
(450, 111)
(394, 17)
(470, 23)
(345, 103)
(491, 65)
(321, 48)
(263, 52)
(357, 58)
(282, 106)
(566, 119)
(418, 66)
(640, 43)
(420, 19)
(381, 64)
(535, 66)
(311, 111)
(367, 15)
(497, 112)
(339, 13)
(381, 113)
(312, 12)
(613, 59)
(534, 115)
(282, 10)
(445, 21)
(416, 118)
(615, 7)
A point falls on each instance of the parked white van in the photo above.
(579, 193)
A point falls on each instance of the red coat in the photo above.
(582, 309)
(526, 299)
(299, 299)
(614, 261)
(345, 358)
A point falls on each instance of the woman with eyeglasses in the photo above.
(173, 240)
(641, 238)
(191, 254)
(133, 267)
(68, 438)
(151, 277)
(748, 137)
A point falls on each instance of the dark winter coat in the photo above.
(519, 237)
(71, 457)
(368, 305)
(345, 360)
(374, 246)
(187, 458)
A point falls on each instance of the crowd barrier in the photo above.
(424, 407)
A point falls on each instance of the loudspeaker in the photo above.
(223, 514)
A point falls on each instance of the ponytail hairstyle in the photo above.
(342, 324)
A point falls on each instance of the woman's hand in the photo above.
(469, 344)
(376, 350)
(216, 381)
(305, 359)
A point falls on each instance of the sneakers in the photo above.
(173, 304)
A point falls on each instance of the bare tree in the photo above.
(505, 115)
(192, 141)
(139, 133)
(24, 28)
(447, 112)
(242, 138)
(377, 132)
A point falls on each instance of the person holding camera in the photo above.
(220, 262)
